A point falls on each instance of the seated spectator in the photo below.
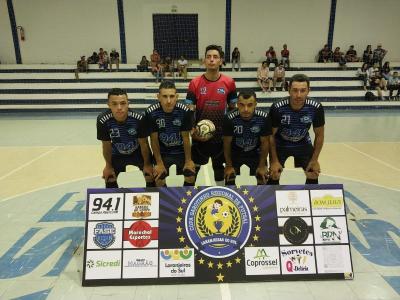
(143, 66)
(155, 63)
(351, 54)
(223, 57)
(182, 67)
(385, 71)
(103, 59)
(158, 72)
(262, 77)
(114, 59)
(168, 66)
(378, 55)
(279, 77)
(81, 66)
(362, 73)
(236, 58)
(94, 59)
(271, 56)
(367, 55)
(338, 57)
(376, 82)
(394, 85)
(285, 57)
(325, 54)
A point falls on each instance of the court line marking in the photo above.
(29, 162)
(371, 157)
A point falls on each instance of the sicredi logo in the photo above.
(103, 264)
(262, 260)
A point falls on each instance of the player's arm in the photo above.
(189, 164)
(159, 168)
(146, 154)
(261, 171)
(108, 171)
(229, 170)
(318, 143)
(275, 167)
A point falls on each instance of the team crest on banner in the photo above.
(104, 234)
(218, 222)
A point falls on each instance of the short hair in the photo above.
(117, 92)
(299, 78)
(247, 95)
(167, 84)
(214, 47)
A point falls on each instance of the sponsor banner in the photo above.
(327, 202)
(262, 260)
(103, 264)
(330, 230)
(177, 262)
(140, 264)
(295, 231)
(106, 206)
(334, 259)
(292, 203)
(298, 260)
(140, 234)
(141, 205)
(104, 235)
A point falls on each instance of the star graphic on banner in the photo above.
(180, 209)
(179, 229)
(178, 219)
(189, 193)
(251, 199)
(201, 261)
(255, 208)
(228, 264)
(183, 200)
(182, 239)
(220, 277)
(255, 237)
(257, 228)
(237, 260)
(245, 192)
(251, 245)
(210, 264)
(238, 187)
(196, 187)
(186, 247)
(219, 265)
(257, 218)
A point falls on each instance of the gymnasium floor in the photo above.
(48, 162)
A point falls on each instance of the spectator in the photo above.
(394, 85)
(362, 73)
(367, 55)
(325, 54)
(94, 59)
(114, 59)
(182, 67)
(376, 82)
(338, 57)
(168, 66)
(386, 70)
(279, 77)
(271, 56)
(103, 59)
(143, 66)
(262, 77)
(378, 55)
(236, 58)
(285, 57)
(351, 54)
(223, 58)
(156, 68)
(81, 66)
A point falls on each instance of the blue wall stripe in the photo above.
(228, 30)
(14, 32)
(122, 30)
(332, 23)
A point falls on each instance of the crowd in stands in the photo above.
(104, 60)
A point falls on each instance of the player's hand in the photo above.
(313, 168)
(275, 170)
(158, 171)
(189, 165)
(148, 171)
(108, 173)
(197, 137)
(262, 175)
(228, 172)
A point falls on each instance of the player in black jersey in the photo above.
(246, 134)
(124, 139)
(170, 124)
(291, 120)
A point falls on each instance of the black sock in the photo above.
(151, 184)
(185, 183)
(230, 182)
(273, 182)
(311, 181)
(111, 185)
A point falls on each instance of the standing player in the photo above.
(124, 139)
(170, 124)
(211, 94)
(291, 121)
(246, 139)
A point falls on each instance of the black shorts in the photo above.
(119, 162)
(174, 159)
(302, 155)
(251, 160)
(202, 151)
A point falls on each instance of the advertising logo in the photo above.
(330, 230)
(141, 234)
(295, 230)
(218, 222)
(104, 234)
(141, 206)
(298, 260)
(327, 202)
(105, 206)
(262, 260)
(292, 203)
(177, 262)
(140, 264)
(103, 264)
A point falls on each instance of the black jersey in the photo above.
(293, 125)
(123, 136)
(246, 133)
(169, 126)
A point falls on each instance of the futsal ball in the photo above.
(205, 128)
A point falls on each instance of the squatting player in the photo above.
(246, 135)
(211, 94)
(124, 139)
(291, 120)
(170, 124)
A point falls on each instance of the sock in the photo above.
(151, 184)
(312, 181)
(111, 185)
(185, 183)
(273, 182)
(230, 182)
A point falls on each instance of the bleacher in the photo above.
(44, 88)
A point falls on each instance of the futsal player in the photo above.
(246, 135)
(170, 124)
(210, 95)
(124, 139)
(291, 120)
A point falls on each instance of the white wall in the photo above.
(302, 24)
(363, 22)
(7, 53)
